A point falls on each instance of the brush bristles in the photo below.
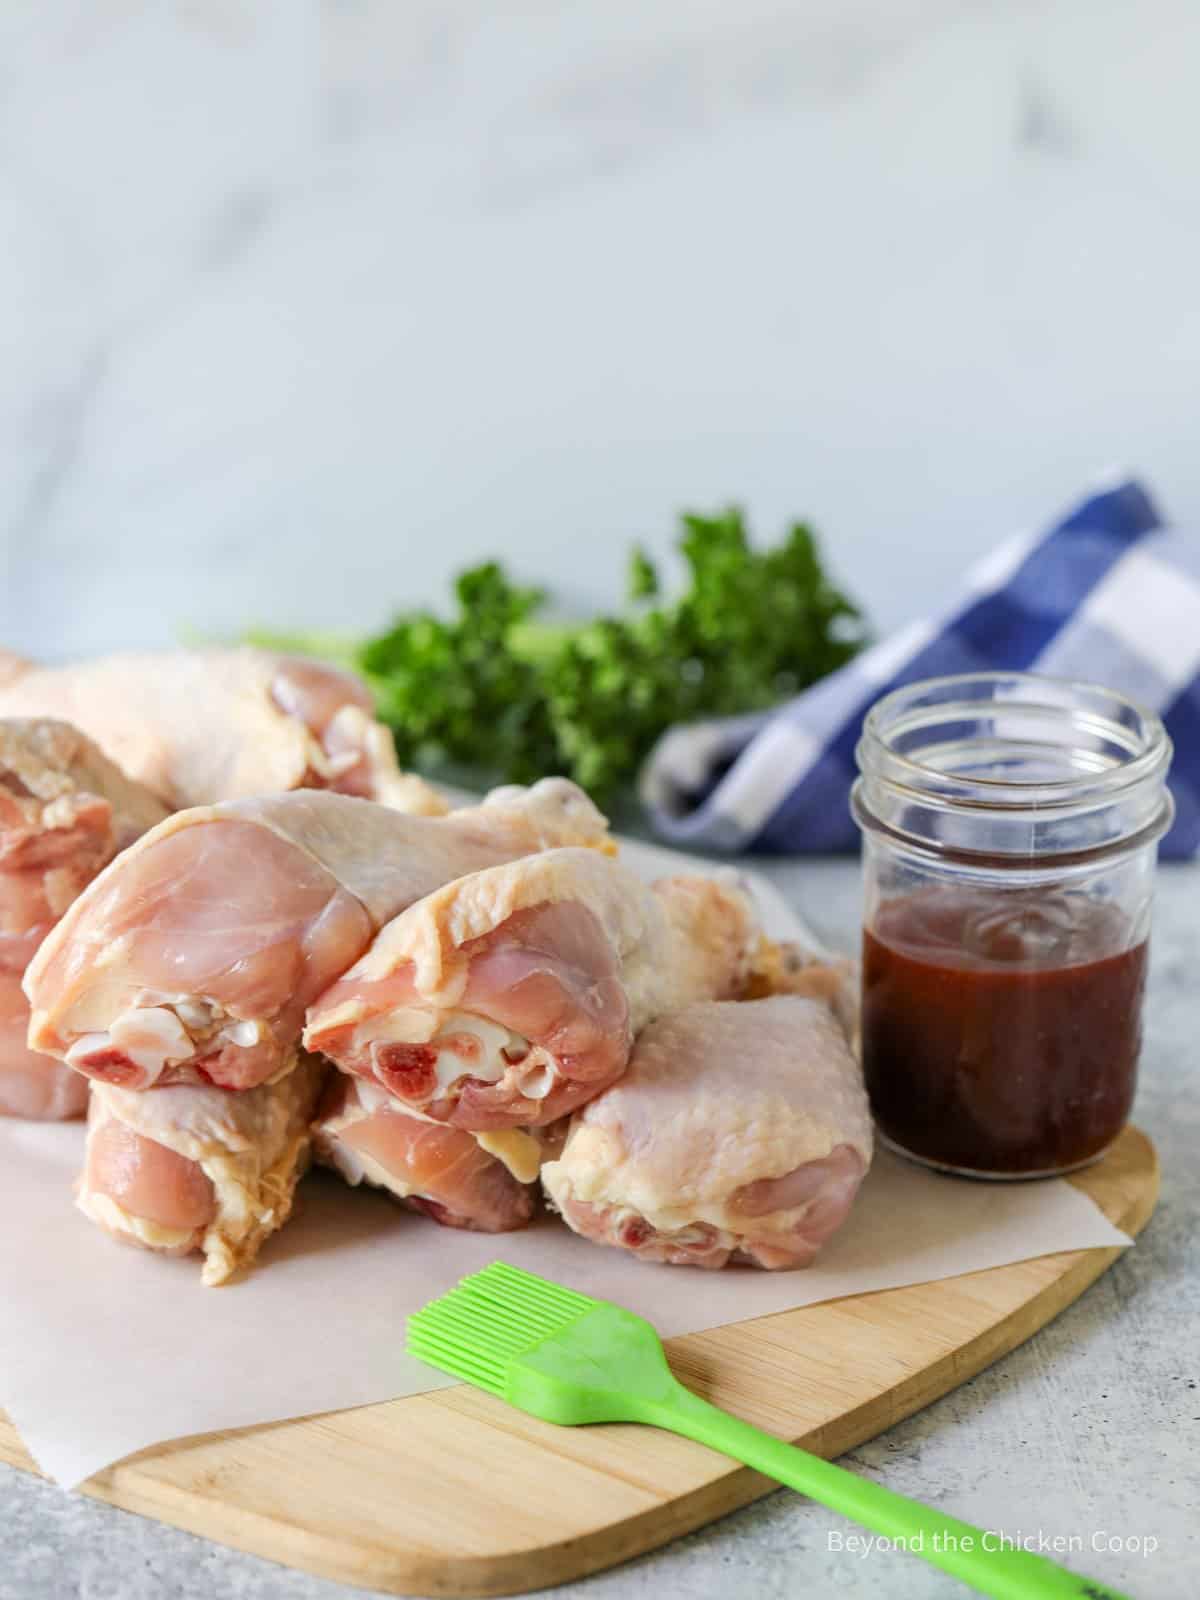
(492, 1318)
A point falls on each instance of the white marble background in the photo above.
(303, 306)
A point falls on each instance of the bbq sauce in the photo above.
(1001, 1028)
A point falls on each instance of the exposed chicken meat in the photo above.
(369, 1137)
(199, 726)
(17, 950)
(65, 810)
(193, 957)
(510, 997)
(168, 1199)
(739, 1132)
(189, 1168)
(32, 1085)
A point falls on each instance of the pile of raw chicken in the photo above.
(237, 937)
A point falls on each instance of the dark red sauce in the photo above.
(1001, 1029)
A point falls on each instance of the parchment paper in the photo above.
(105, 1350)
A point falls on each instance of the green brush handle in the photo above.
(957, 1547)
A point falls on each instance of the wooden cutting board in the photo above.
(454, 1493)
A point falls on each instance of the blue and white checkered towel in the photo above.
(1108, 594)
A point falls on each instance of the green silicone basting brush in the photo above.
(565, 1357)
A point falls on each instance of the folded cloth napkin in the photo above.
(1108, 594)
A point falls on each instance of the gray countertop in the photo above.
(1092, 1428)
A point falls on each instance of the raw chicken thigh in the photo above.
(187, 1168)
(739, 1132)
(198, 726)
(511, 996)
(65, 811)
(459, 1179)
(193, 957)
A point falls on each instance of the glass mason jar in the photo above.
(1010, 826)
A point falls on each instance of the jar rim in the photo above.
(1012, 765)
(1149, 761)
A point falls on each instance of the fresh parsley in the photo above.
(495, 691)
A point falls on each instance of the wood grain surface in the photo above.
(454, 1493)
